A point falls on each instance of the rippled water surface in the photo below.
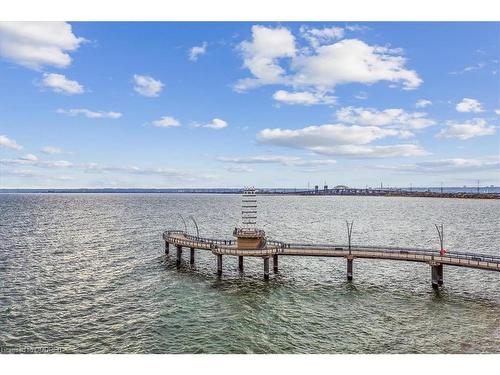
(87, 273)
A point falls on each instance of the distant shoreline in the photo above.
(416, 192)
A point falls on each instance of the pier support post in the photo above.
(191, 258)
(240, 263)
(266, 268)
(219, 264)
(349, 269)
(179, 255)
(167, 247)
(275, 263)
(437, 275)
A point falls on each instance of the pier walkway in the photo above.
(274, 249)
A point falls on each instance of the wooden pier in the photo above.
(275, 249)
(252, 242)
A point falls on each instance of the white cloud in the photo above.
(346, 61)
(469, 68)
(394, 117)
(469, 105)
(362, 95)
(216, 124)
(303, 97)
(90, 114)
(196, 51)
(466, 130)
(239, 169)
(147, 86)
(51, 150)
(166, 122)
(449, 165)
(359, 28)
(422, 103)
(261, 56)
(276, 159)
(352, 61)
(29, 157)
(35, 162)
(351, 141)
(497, 111)
(38, 44)
(317, 37)
(60, 84)
(9, 143)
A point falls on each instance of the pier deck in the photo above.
(273, 248)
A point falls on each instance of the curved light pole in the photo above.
(349, 233)
(184, 222)
(196, 225)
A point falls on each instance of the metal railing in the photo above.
(275, 247)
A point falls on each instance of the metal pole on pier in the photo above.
(240, 263)
(183, 222)
(196, 225)
(275, 263)
(167, 247)
(350, 257)
(437, 268)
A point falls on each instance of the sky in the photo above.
(231, 104)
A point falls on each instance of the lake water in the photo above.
(86, 273)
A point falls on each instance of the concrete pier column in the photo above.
(219, 264)
(275, 263)
(437, 275)
(191, 258)
(179, 255)
(440, 275)
(349, 269)
(167, 247)
(266, 268)
(240, 263)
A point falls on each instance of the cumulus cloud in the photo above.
(216, 124)
(352, 61)
(422, 103)
(60, 84)
(328, 65)
(51, 150)
(394, 117)
(337, 139)
(197, 51)
(465, 130)
(497, 111)
(469, 105)
(317, 37)
(166, 122)
(147, 86)
(90, 114)
(261, 55)
(303, 97)
(38, 44)
(9, 143)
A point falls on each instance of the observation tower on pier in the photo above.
(249, 236)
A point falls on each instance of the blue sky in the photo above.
(233, 104)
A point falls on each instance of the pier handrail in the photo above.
(227, 246)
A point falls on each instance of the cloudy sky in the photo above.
(233, 104)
